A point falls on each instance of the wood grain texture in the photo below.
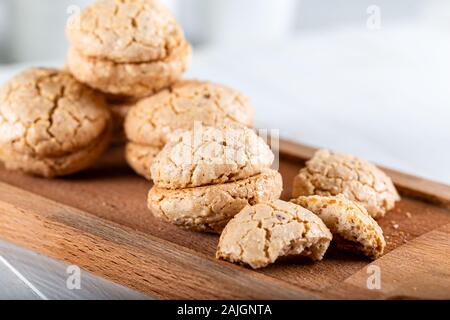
(98, 220)
(418, 269)
(143, 262)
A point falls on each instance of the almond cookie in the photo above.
(155, 118)
(329, 174)
(127, 48)
(348, 220)
(260, 234)
(210, 155)
(209, 208)
(50, 124)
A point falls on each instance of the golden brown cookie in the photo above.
(349, 220)
(50, 124)
(260, 234)
(126, 31)
(208, 155)
(155, 118)
(127, 47)
(209, 208)
(329, 174)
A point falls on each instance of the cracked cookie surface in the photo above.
(262, 233)
(129, 48)
(349, 220)
(209, 208)
(50, 124)
(210, 155)
(179, 107)
(125, 31)
(329, 174)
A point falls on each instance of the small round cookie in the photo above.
(329, 174)
(349, 220)
(154, 119)
(129, 48)
(208, 155)
(140, 158)
(209, 208)
(260, 234)
(50, 124)
(180, 106)
(125, 31)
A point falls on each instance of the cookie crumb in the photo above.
(408, 215)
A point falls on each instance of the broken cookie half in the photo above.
(262, 233)
(348, 221)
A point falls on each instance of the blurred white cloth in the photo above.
(383, 95)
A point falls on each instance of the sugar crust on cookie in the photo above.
(329, 174)
(125, 31)
(47, 117)
(180, 106)
(210, 156)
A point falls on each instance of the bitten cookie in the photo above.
(210, 155)
(329, 174)
(154, 119)
(210, 208)
(127, 47)
(50, 124)
(260, 234)
(348, 220)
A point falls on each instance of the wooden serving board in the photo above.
(98, 220)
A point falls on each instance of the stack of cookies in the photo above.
(205, 176)
(56, 122)
(127, 50)
(153, 119)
